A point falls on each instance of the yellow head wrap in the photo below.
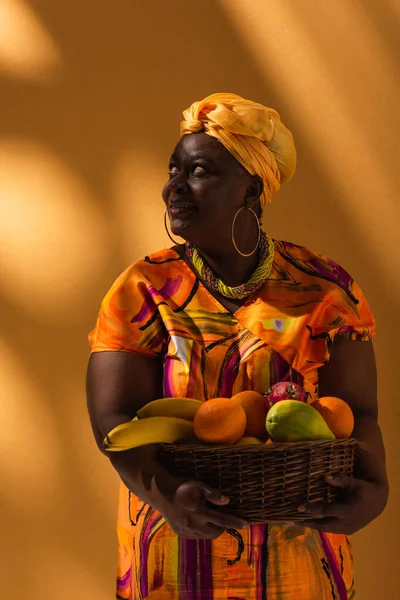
(251, 132)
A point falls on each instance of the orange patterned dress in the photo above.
(159, 308)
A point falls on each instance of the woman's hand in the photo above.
(190, 515)
(186, 505)
(362, 502)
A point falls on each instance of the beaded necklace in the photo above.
(262, 272)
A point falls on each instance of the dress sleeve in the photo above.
(345, 314)
(129, 319)
(348, 315)
(358, 321)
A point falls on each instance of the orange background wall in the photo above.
(91, 96)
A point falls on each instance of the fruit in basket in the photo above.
(183, 408)
(285, 390)
(253, 404)
(220, 421)
(337, 414)
(292, 421)
(248, 441)
(154, 430)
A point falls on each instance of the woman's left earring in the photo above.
(168, 233)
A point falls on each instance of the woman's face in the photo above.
(207, 186)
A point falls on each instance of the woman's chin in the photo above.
(181, 227)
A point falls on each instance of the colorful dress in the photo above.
(158, 308)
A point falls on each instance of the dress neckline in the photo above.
(248, 301)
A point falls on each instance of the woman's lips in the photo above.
(179, 210)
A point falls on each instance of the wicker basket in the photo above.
(265, 482)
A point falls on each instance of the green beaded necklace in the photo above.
(262, 272)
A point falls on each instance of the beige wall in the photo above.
(91, 95)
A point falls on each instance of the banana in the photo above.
(182, 408)
(153, 430)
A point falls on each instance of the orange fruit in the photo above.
(269, 441)
(256, 412)
(337, 414)
(220, 421)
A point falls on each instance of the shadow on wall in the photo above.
(123, 78)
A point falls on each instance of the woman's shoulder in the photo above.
(294, 251)
(159, 263)
(303, 263)
(162, 272)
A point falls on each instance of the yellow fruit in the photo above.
(220, 421)
(154, 430)
(338, 415)
(256, 412)
(182, 408)
(248, 441)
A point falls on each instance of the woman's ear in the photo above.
(255, 189)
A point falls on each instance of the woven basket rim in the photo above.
(274, 446)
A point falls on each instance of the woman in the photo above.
(232, 310)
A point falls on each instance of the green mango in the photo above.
(294, 421)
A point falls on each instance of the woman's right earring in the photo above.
(168, 233)
(233, 232)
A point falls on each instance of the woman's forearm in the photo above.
(370, 454)
(139, 468)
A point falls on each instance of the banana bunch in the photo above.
(182, 408)
(154, 430)
(163, 421)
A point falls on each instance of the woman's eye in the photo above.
(199, 170)
(172, 171)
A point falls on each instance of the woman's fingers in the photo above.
(200, 512)
(319, 509)
(341, 481)
(193, 498)
(223, 519)
(337, 509)
(213, 495)
(192, 494)
(189, 496)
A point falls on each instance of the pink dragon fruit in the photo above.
(285, 390)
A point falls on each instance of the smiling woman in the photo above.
(232, 310)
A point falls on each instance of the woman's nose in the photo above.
(178, 183)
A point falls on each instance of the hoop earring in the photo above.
(168, 233)
(233, 232)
